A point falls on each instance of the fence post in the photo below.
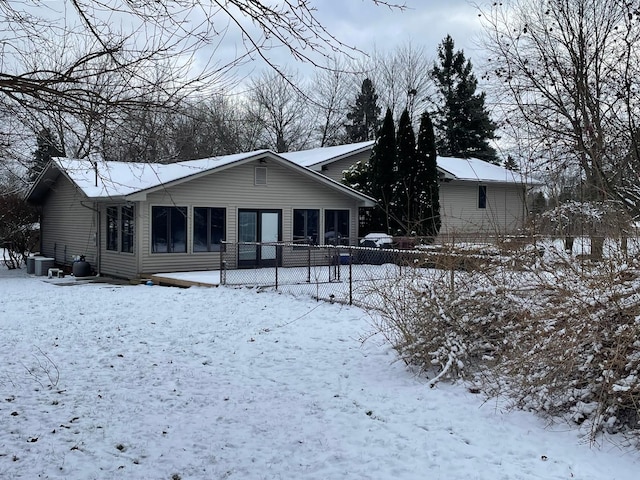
(350, 277)
(223, 272)
(223, 247)
(277, 261)
(308, 263)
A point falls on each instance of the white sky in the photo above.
(363, 25)
(424, 22)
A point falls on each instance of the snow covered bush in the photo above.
(561, 338)
(597, 220)
(448, 325)
(579, 352)
(18, 228)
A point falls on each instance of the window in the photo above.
(169, 229)
(261, 176)
(305, 226)
(336, 227)
(208, 229)
(127, 223)
(112, 228)
(482, 196)
(120, 229)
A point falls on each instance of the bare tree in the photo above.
(126, 41)
(280, 111)
(569, 69)
(330, 94)
(402, 78)
(208, 127)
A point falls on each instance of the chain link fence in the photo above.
(325, 272)
(351, 275)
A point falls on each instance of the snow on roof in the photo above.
(104, 179)
(473, 169)
(470, 169)
(314, 156)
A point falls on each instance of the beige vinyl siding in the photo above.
(334, 170)
(234, 189)
(68, 228)
(112, 263)
(460, 213)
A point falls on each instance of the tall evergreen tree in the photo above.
(47, 147)
(364, 116)
(428, 193)
(382, 173)
(406, 181)
(463, 124)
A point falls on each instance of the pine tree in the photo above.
(364, 116)
(47, 147)
(463, 124)
(405, 185)
(382, 173)
(428, 196)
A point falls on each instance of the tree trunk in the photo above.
(568, 243)
(597, 247)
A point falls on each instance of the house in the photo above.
(477, 198)
(133, 219)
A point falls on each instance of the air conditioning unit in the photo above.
(42, 265)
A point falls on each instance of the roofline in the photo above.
(530, 181)
(322, 163)
(369, 201)
(178, 181)
(140, 195)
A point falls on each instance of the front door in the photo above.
(258, 226)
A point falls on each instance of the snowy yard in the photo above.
(102, 381)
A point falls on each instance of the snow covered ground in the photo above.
(110, 382)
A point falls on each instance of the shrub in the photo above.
(18, 228)
(561, 338)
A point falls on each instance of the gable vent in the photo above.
(261, 176)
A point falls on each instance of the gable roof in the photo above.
(451, 168)
(103, 180)
(316, 157)
(476, 170)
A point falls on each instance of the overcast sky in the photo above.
(363, 25)
(424, 23)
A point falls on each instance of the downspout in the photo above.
(98, 234)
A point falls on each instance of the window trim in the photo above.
(186, 230)
(115, 223)
(482, 197)
(340, 240)
(112, 228)
(306, 225)
(133, 229)
(209, 244)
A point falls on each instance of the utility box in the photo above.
(42, 265)
(31, 265)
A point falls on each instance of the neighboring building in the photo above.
(131, 219)
(332, 161)
(480, 198)
(477, 198)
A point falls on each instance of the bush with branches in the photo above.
(18, 228)
(561, 338)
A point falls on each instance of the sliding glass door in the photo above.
(257, 227)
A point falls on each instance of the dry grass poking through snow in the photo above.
(560, 337)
